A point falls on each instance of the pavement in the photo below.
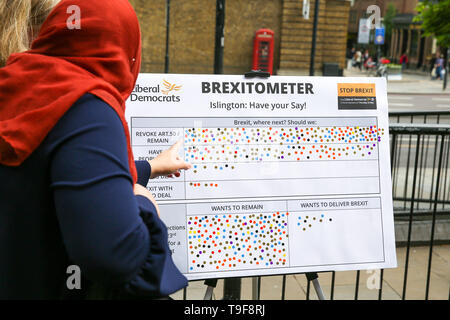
(419, 102)
(414, 92)
(345, 281)
(411, 83)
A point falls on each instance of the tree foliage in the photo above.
(435, 18)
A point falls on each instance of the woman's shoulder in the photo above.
(88, 109)
(88, 115)
(90, 106)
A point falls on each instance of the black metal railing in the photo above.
(420, 166)
(416, 152)
(426, 191)
(420, 117)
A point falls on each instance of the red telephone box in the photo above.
(263, 50)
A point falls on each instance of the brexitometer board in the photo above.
(289, 174)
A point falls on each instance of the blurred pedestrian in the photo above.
(404, 60)
(358, 59)
(366, 57)
(350, 60)
(439, 65)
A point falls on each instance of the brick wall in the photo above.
(192, 33)
(296, 34)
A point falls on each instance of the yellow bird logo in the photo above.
(170, 87)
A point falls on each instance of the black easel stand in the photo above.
(311, 276)
(314, 277)
(257, 73)
(211, 284)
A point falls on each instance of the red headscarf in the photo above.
(37, 87)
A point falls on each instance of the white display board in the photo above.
(289, 174)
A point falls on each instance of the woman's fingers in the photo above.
(176, 174)
(168, 163)
(183, 165)
(176, 146)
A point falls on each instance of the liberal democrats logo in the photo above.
(164, 92)
(170, 87)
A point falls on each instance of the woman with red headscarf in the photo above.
(69, 193)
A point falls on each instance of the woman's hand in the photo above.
(168, 163)
(143, 191)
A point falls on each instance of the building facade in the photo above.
(192, 34)
(296, 34)
(405, 36)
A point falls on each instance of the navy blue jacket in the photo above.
(72, 203)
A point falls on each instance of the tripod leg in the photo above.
(208, 293)
(255, 288)
(211, 283)
(318, 289)
(312, 276)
